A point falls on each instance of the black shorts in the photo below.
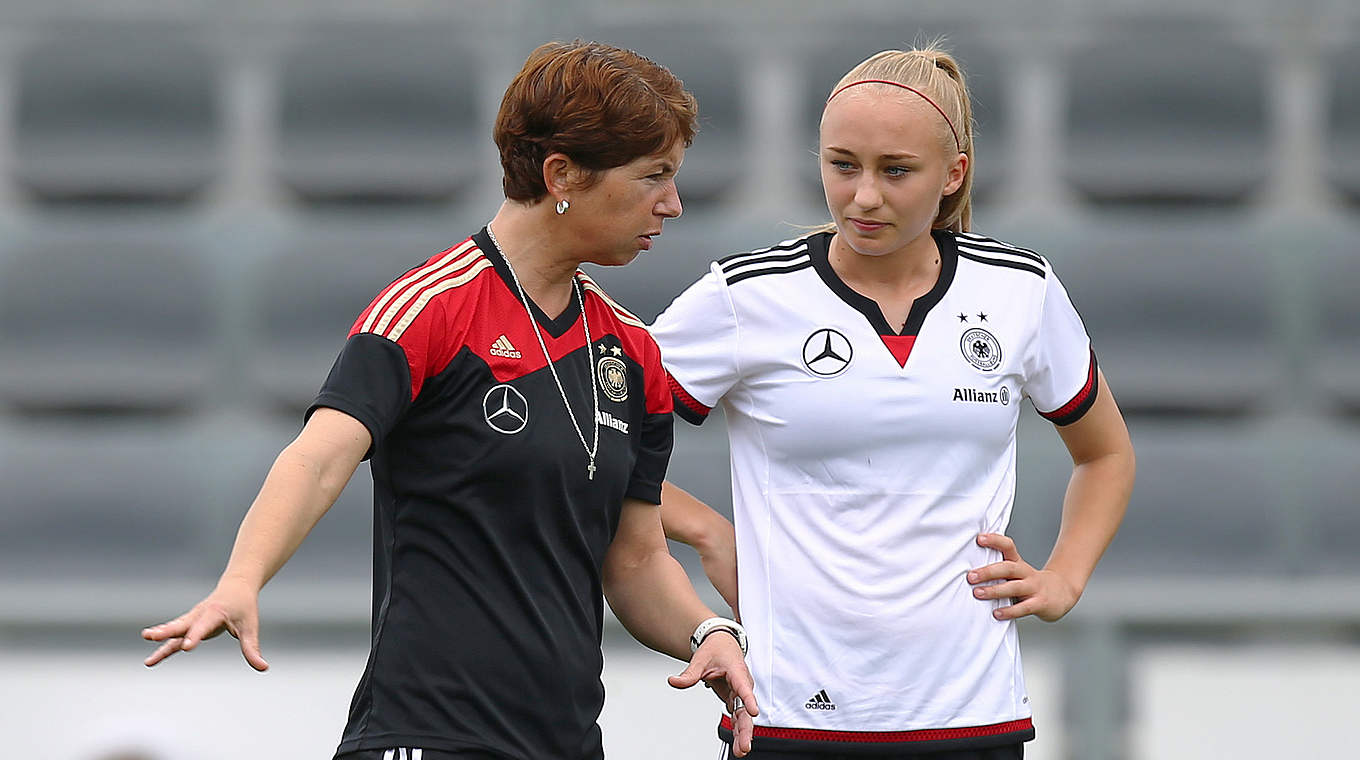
(1009, 752)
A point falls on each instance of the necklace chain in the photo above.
(594, 446)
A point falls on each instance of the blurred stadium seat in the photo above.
(1328, 453)
(338, 550)
(106, 313)
(1210, 500)
(1343, 154)
(1336, 344)
(102, 501)
(380, 111)
(1177, 307)
(1166, 108)
(122, 111)
(315, 279)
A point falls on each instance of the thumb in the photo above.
(250, 649)
(686, 678)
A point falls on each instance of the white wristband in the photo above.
(717, 624)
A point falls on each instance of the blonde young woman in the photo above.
(871, 375)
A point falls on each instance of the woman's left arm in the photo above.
(1097, 495)
(651, 595)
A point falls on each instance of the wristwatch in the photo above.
(717, 624)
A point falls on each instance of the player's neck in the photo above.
(907, 273)
(543, 269)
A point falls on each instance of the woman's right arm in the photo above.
(690, 521)
(305, 480)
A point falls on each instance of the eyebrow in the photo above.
(889, 156)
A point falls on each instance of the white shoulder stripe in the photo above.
(625, 316)
(414, 290)
(417, 278)
(394, 334)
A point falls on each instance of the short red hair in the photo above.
(600, 105)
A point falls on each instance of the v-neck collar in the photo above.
(554, 327)
(898, 343)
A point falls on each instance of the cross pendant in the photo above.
(591, 470)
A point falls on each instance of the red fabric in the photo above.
(900, 346)
(886, 737)
(689, 401)
(1081, 396)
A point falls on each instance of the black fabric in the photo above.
(1012, 751)
(488, 549)
(425, 754)
(819, 246)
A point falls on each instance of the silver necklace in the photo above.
(590, 353)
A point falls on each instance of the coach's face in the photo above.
(621, 214)
(885, 166)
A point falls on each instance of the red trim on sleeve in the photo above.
(886, 737)
(1072, 410)
(681, 395)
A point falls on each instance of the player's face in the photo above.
(887, 158)
(622, 212)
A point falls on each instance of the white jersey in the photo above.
(865, 462)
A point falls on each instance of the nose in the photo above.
(867, 194)
(669, 205)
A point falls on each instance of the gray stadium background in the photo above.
(196, 198)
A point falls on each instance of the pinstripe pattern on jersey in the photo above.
(390, 303)
(625, 316)
(394, 334)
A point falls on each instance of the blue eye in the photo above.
(897, 171)
(842, 165)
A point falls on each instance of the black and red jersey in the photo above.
(489, 533)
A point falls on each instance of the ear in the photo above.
(958, 168)
(561, 175)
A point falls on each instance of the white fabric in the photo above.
(858, 497)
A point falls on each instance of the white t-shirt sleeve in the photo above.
(1060, 370)
(697, 334)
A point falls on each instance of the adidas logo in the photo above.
(820, 701)
(503, 347)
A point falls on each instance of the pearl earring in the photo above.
(562, 206)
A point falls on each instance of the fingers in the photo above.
(742, 729)
(167, 630)
(206, 624)
(1001, 543)
(250, 648)
(1017, 610)
(1010, 590)
(163, 651)
(1000, 571)
(687, 677)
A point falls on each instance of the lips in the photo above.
(865, 225)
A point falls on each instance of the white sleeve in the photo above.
(1060, 369)
(697, 334)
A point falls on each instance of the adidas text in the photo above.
(820, 701)
(503, 347)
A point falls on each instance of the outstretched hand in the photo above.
(1042, 593)
(229, 608)
(719, 664)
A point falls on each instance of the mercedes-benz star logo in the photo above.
(505, 409)
(827, 352)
